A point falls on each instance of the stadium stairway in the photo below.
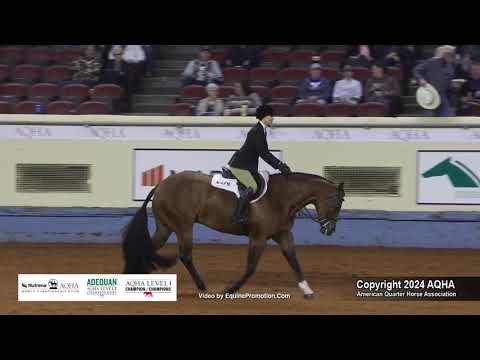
(160, 90)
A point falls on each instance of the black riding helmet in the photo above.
(263, 111)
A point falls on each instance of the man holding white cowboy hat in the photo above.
(435, 77)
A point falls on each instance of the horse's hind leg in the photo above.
(255, 251)
(161, 235)
(185, 245)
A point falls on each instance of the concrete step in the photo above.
(151, 108)
(162, 81)
(159, 90)
(154, 99)
(168, 72)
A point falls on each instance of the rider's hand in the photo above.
(284, 169)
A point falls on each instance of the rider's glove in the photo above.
(284, 169)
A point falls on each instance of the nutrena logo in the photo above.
(460, 175)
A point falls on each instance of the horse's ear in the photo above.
(340, 187)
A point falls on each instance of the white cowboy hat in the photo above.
(428, 97)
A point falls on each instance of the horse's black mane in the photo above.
(310, 176)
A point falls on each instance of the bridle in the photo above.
(324, 221)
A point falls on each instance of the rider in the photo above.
(244, 163)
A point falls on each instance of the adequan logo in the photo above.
(459, 174)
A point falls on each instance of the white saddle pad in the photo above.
(218, 181)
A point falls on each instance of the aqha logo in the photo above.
(69, 286)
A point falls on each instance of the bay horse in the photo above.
(188, 197)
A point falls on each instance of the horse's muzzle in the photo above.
(328, 228)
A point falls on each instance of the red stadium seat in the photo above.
(361, 74)
(372, 109)
(475, 109)
(308, 109)
(27, 73)
(93, 107)
(40, 55)
(11, 55)
(27, 107)
(280, 109)
(330, 74)
(61, 108)
(182, 109)
(66, 56)
(219, 55)
(4, 73)
(75, 92)
(293, 76)
(193, 93)
(13, 92)
(5, 107)
(332, 56)
(260, 90)
(234, 74)
(266, 76)
(226, 91)
(396, 72)
(284, 93)
(58, 73)
(276, 57)
(341, 110)
(301, 57)
(108, 90)
(44, 92)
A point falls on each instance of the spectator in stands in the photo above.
(463, 67)
(347, 90)
(383, 88)
(134, 56)
(242, 56)
(211, 105)
(108, 54)
(149, 61)
(203, 70)
(244, 102)
(359, 56)
(315, 88)
(87, 69)
(470, 91)
(116, 69)
(439, 72)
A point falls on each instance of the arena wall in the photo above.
(107, 144)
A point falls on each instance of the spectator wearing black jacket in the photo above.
(243, 56)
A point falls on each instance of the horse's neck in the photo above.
(298, 193)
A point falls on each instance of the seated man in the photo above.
(87, 68)
(348, 90)
(211, 105)
(203, 70)
(470, 92)
(383, 88)
(315, 88)
(244, 102)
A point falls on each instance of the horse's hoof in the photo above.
(308, 296)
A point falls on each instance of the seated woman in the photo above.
(211, 105)
(244, 102)
(383, 88)
(470, 92)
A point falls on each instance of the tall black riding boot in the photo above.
(241, 213)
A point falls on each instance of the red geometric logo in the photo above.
(153, 176)
(148, 294)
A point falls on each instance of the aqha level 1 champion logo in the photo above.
(102, 286)
(148, 287)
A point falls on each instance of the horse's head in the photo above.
(438, 170)
(328, 206)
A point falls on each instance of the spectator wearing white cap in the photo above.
(212, 105)
(315, 88)
(347, 90)
(438, 72)
(202, 71)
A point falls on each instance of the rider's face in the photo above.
(268, 120)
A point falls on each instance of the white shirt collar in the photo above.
(264, 126)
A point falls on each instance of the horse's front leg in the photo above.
(256, 247)
(285, 240)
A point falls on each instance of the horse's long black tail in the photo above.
(138, 251)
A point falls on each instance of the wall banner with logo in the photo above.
(448, 177)
(151, 166)
(97, 287)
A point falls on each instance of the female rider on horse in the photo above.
(244, 163)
